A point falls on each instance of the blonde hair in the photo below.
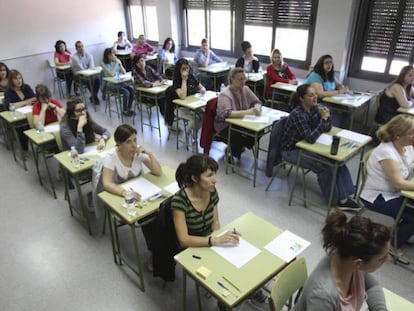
(396, 127)
(233, 72)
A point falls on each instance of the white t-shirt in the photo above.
(377, 182)
(170, 57)
(123, 173)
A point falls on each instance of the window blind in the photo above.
(294, 14)
(405, 41)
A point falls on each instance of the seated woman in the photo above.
(122, 43)
(248, 61)
(4, 77)
(278, 71)
(400, 93)
(184, 84)
(236, 101)
(45, 109)
(18, 95)
(342, 280)
(62, 57)
(389, 169)
(144, 76)
(78, 129)
(167, 57)
(322, 78)
(195, 210)
(126, 163)
(308, 121)
(112, 66)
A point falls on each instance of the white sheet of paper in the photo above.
(197, 103)
(287, 246)
(172, 188)
(52, 128)
(92, 150)
(24, 109)
(356, 100)
(237, 255)
(360, 138)
(144, 187)
(324, 139)
(256, 119)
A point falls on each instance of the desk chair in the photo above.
(113, 92)
(375, 125)
(364, 174)
(278, 100)
(208, 135)
(288, 281)
(56, 80)
(149, 102)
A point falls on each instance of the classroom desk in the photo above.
(409, 111)
(43, 143)
(125, 58)
(254, 79)
(280, 94)
(119, 216)
(255, 128)
(322, 152)
(396, 302)
(249, 277)
(9, 122)
(154, 96)
(285, 86)
(87, 163)
(194, 103)
(112, 88)
(346, 102)
(216, 71)
(88, 75)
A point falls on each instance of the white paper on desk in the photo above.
(360, 138)
(172, 188)
(324, 139)
(198, 103)
(287, 246)
(144, 187)
(343, 97)
(356, 100)
(24, 109)
(237, 255)
(276, 114)
(256, 119)
(53, 128)
(93, 150)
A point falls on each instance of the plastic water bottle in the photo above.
(12, 109)
(74, 155)
(222, 87)
(117, 77)
(129, 198)
(40, 130)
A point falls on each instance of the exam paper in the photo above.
(172, 188)
(93, 150)
(198, 103)
(24, 109)
(144, 187)
(237, 255)
(52, 128)
(324, 139)
(287, 246)
(360, 138)
(256, 119)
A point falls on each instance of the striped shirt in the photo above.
(198, 223)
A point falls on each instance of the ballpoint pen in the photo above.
(227, 289)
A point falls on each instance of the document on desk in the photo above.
(53, 128)
(287, 246)
(93, 150)
(324, 139)
(144, 187)
(238, 255)
(256, 119)
(25, 109)
(172, 188)
(197, 104)
(360, 138)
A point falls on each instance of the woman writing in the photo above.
(342, 280)
(389, 167)
(111, 67)
(236, 101)
(308, 121)
(400, 93)
(78, 129)
(62, 58)
(278, 71)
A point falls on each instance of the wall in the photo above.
(31, 28)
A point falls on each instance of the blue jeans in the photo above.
(344, 187)
(391, 208)
(127, 95)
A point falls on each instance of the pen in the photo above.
(196, 257)
(231, 283)
(234, 230)
(227, 289)
(155, 196)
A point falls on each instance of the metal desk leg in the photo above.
(157, 109)
(49, 176)
(295, 177)
(138, 258)
(256, 157)
(195, 130)
(84, 211)
(335, 173)
(36, 161)
(184, 297)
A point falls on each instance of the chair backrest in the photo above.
(58, 139)
(290, 280)
(29, 117)
(265, 86)
(274, 155)
(207, 129)
(364, 172)
(52, 66)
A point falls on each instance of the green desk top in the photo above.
(409, 111)
(35, 137)
(247, 278)
(353, 101)
(6, 115)
(397, 303)
(122, 78)
(215, 68)
(344, 152)
(272, 114)
(155, 89)
(115, 202)
(196, 101)
(87, 161)
(285, 86)
(89, 72)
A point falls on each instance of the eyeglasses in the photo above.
(80, 109)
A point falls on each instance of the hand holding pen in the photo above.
(230, 237)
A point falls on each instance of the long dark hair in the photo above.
(295, 97)
(400, 79)
(59, 42)
(318, 68)
(70, 119)
(7, 69)
(193, 168)
(13, 74)
(106, 53)
(359, 237)
(172, 50)
(177, 70)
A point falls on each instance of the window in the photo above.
(267, 24)
(384, 39)
(143, 19)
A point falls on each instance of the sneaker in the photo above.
(349, 205)
(259, 296)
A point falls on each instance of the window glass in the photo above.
(196, 26)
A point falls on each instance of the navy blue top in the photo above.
(10, 95)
